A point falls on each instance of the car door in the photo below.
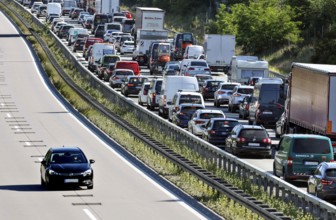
(44, 165)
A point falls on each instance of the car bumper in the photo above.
(267, 151)
(70, 180)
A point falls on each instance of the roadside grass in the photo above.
(196, 188)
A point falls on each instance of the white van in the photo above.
(54, 8)
(98, 51)
(172, 84)
(193, 52)
(73, 33)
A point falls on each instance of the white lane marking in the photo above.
(8, 115)
(28, 143)
(91, 216)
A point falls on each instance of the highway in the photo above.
(34, 118)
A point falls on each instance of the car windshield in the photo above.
(311, 146)
(210, 115)
(68, 157)
(253, 133)
(195, 99)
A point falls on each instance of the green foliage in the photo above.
(260, 25)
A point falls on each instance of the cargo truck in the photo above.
(149, 18)
(311, 100)
(107, 6)
(219, 50)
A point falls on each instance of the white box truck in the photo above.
(244, 67)
(149, 18)
(171, 85)
(107, 6)
(219, 50)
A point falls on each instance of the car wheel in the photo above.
(151, 107)
(140, 103)
(239, 115)
(250, 122)
(285, 175)
(43, 184)
(90, 186)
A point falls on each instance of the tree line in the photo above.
(260, 26)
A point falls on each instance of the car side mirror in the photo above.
(43, 162)
(92, 161)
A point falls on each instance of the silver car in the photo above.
(201, 117)
(223, 93)
(238, 95)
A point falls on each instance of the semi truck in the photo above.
(311, 100)
(149, 18)
(242, 68)
(219, 50)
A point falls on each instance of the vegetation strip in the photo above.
(208, 198)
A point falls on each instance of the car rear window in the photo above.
(111, 59)
(245, 91)
(251, 133)
(124, 73)
(311, 146)
(195, 99)
(331, 172)
(158, 86)
(137, 80)
(228, 87)
(196, 63)
(224, 124)
(212, 84)
(210, 115)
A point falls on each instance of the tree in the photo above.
(259, 25)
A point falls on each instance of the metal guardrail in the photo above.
(274, 186)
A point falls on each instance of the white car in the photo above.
(127, 47)
(142, 98)
(201, 117)
(223, 93)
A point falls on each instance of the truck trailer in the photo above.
(149, 18)
(311, 100)
(219, 50)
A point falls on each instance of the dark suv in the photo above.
(249, 139)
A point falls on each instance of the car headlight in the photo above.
(87, 173)
(52, 173)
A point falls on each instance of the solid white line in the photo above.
(91, 216)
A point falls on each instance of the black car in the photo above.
(184, 114)
(218, 129)
(244, 107)
(66, 166)
(209, 88)
(132, 85)
(323, 182)
(249, 139)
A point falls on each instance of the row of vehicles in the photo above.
(262, 100)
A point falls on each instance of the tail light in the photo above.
(191, 68)
(237, 94)
(247, 107)
(290, 161)
(221, 92)
(212, 132)
(267, 140)
(207, 69)
(326, 182)
(130, 84)
(177, 108)
(241, 140)
(199, 122)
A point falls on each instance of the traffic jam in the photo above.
(231, 101)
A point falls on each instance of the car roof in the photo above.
(191, 104)
(128, 70)
(210, 111)
(252, 127)
(245, 87)
(230, 83)
(306, 136)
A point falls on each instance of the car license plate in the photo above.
(70, 180)
(224, 133)
(267, 113)
(312, 163)
(254, 144)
